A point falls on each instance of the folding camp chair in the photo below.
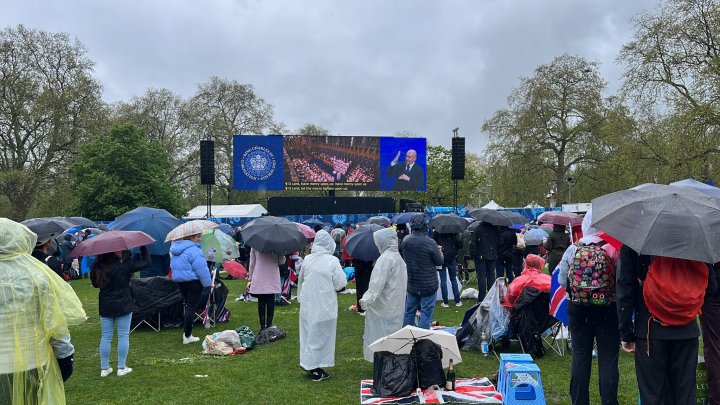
(557, 339)
(208, 319)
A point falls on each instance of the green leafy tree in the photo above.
(554, 123)
(119, 171)
(49, 104)
(673, 75)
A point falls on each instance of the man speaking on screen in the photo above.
(408, 175)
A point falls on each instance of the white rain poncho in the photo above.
(384, 301)
(36, 307)
(320, 279)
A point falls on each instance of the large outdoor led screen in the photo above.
(294, 162)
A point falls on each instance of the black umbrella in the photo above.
(403, 218)
(273, 234)
(378, 220)
(516, 217)
(81, 221)
(662, 220)
(361, 245)
(491, 216)
(47, 226)
(449, 223)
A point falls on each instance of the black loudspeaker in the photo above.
(207, 162)
(408, 205)
(458, 158)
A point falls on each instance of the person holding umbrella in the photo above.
(450, 244)
(384, 299)
(264, 283)
(111, 273)
(592, 313)
(318, 284)
(192, 275)
(556, 245)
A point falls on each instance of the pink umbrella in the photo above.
(306, 230)
(560, 218)
(235, 269)
(111, 241)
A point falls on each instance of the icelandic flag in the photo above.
(558, 299)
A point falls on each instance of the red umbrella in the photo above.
(235, 269)
(306, 230)
(560, 218)
(111, 241)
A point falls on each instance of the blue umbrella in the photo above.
(536, 233)
(313, 222)
(226, 229)
(403, 218)
(361, 245)
(701, 187)
(153, 221)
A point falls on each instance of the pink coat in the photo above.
(264, 272)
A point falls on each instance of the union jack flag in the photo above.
(558, 299)
(467, 391)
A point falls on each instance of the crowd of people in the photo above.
(331, 159)
(609, 287)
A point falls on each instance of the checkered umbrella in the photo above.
(189, 228)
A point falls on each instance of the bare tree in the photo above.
(49, 103)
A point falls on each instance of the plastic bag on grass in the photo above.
(247, 337)
(394, 375)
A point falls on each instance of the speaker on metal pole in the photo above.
(207, 162)
(458, 158)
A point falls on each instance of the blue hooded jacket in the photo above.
(188, 263)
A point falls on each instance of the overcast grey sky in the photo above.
(354, 67)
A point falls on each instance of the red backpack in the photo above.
(674, 290)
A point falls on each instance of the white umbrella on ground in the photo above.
(401, 342)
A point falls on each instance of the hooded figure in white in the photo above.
(320, 279)
(384, 301)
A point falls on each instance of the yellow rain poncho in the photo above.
(36, 307)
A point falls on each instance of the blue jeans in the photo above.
(504, 265)
(426, 305)
(107, 327)
(451, 267)
(485, 271)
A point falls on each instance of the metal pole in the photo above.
(455, 197)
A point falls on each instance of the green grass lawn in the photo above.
(164, 369)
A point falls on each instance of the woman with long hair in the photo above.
(111, 273)
(190, 271)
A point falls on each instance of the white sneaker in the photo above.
(106, 372)
(191, 339)
(444, 305)
(122, 371)
(459, 304)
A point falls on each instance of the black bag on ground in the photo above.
(270, 334)
(427, 356)
(394, 375)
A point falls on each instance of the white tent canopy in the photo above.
(492, 205)
(227, 211)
